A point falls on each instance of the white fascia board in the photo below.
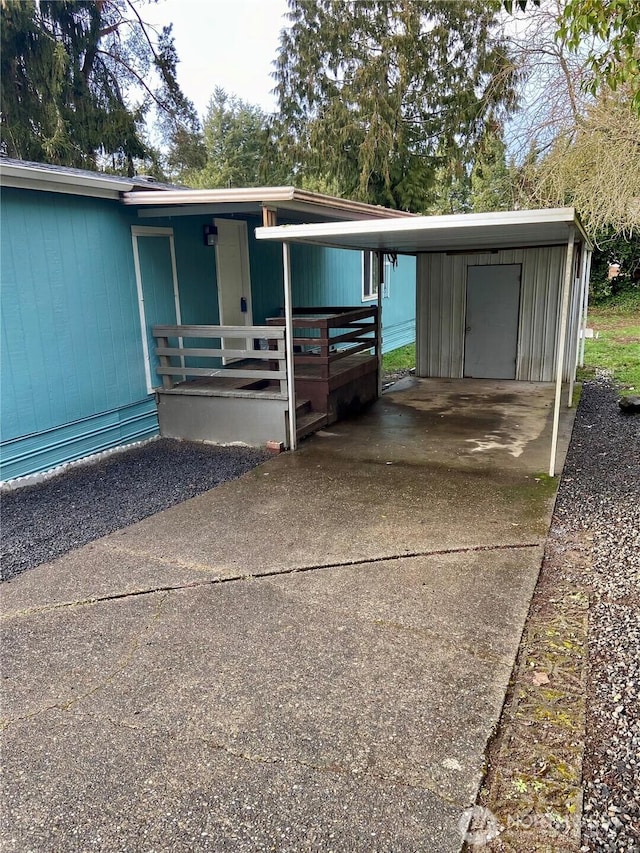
(142, 198)
(287, 198)
(33, 178)
(248, 208)
(415, 224)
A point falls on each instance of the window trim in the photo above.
(369, 286)
(368, 275)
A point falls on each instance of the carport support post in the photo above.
(380, 286)
(585, 306)
(578, 333)
(566, 291)
(288, 337)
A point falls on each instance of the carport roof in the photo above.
(458, 232)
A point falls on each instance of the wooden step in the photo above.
(302, 407)
(310, 422)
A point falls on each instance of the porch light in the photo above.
(210, 235)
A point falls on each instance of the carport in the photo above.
(498, 295)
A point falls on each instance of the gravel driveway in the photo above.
(600, 494)
(44, 521)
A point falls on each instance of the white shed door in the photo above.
(234, 280)
(491, 329)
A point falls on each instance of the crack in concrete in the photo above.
(292, 570)
(429, 784)
(121, 665)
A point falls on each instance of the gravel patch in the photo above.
(600, 497)
(44, 521)
(390, 377)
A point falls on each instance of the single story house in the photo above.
(498, 295)
(131, 308)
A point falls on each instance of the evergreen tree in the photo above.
(234, 141)
(376, 96)
(78, 78)
(237, 147)
(491, 178)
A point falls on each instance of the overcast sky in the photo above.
(228, 43)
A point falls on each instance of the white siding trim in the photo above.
(143, 231)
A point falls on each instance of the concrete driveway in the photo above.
(312, 657)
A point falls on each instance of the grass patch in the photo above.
(403, 358)
(617, 347)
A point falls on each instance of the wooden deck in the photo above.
(336, 363)
(336, 357)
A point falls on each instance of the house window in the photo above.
(370, 267)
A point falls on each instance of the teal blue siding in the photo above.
(72, 367)
(44, 450)
(334, 277)
(267, 279)
(399, 307)
(71, 343)
(196, 269)
(196, 266)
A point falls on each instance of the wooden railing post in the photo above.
(167, 381)
(324, 353)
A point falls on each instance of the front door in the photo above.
(491, 330)
(234, 279)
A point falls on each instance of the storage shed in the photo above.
(498, 295)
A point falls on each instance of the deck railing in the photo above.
(326, 335)
(274, 353)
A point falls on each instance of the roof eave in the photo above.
(284, 197)
(467, 223)
(31, 177)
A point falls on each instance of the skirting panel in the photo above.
(398, 335)
(42, 451)
(222, 420)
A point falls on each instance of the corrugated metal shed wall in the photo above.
(441, 298)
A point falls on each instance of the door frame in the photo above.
(245, 274)
(153, 231)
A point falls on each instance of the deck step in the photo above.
(302, 407)
(310, 422)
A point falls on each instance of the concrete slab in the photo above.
(267, 698)
(391, 673)
(405, 478)
(127, 790)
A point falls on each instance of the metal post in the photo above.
(578, 332)
(566, 290)
(380, 283)
(288, 337)
(585, 307)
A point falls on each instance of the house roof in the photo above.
(155, 199)
(458, 233)
(292, 203)
(66, 179)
